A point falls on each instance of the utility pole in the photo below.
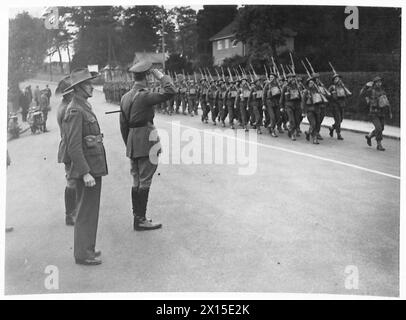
(163, 40)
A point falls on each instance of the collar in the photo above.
(139, 85)
(82, 101)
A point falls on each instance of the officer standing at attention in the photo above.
(84, 148)
(138, 131)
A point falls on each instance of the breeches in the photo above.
(142, 170)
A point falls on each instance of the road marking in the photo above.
(350, 165)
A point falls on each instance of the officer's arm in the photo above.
(123, 122)
(74, 121)
(168, 91)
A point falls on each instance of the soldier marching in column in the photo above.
(277, 101)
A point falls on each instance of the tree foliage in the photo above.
(27, 47)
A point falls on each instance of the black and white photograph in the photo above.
(157, 147)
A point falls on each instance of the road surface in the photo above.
(311, 219)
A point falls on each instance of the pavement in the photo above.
(310, 219)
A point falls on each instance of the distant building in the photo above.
(225, 45)
(155, 58)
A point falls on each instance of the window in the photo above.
(226, 43)
(234, 43)
(219, 45)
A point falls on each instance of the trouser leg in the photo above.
(70, 198)
(378, 123)
(87, 219)
(243, 113)
(230, 109)
(142, 170)
(257, 111)
(311, 116)
(224, 112)
(292, 119)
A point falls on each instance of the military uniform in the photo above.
(256, 101)
(272, 93)
(85, 151)
(311, 106)
(230, 106)
(339, 94)
(140, 137)
(325, 94)
(379, 106)
(203, 100)
(211, 98)
(192, 96)
(70, 189)
(291, 101)
(242, 101)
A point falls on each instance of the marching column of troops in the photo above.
(274, 102)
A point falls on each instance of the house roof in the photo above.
(231, 29)
(153, 57)
(226, 32)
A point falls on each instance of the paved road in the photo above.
(295, 225)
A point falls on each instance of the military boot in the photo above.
(331, 132)
(319, 137)
(307, 134)
(369, 142)
(141, 223)
(293, 135)
(273, 133)
(339, 137)
(315, 140)
(380, 147)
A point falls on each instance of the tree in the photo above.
(98, 34)
(210, 20)
(185, 20)
(27, 48)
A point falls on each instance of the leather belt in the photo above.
(140, 124)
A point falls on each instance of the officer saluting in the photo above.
(84, 148)
(137, 129)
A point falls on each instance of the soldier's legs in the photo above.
(224, 112)
(213, 110)
(70, 198)
(292, 119)
(86, 219)
(243, 113)
(257, 112)
(184, 105)
(230, 111)
(142, 170)
(311, 116)
(379, 126)
(298, 117)
(178, 102)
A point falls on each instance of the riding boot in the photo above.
(142, 224)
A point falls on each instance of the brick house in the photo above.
(224, 44)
